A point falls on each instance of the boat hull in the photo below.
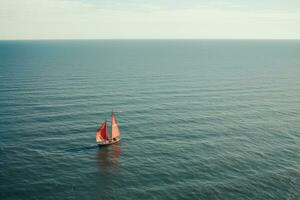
(109, 142)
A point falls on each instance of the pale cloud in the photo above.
(71, 19)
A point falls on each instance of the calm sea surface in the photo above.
(200, 119)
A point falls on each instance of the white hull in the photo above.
(109, 142)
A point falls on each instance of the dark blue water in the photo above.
(200, 119)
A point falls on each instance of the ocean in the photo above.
(199, 119)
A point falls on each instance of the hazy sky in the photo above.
(87, 19)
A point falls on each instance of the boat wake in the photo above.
(82, 148)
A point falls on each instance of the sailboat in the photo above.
(102, 137)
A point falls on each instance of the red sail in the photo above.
(102, 133)
(115, 132)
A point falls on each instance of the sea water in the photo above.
(200, 119)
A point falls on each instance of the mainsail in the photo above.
(115, 132)
(101, 134)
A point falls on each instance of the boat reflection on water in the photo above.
(108, 158)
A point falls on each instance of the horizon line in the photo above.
(53, 39)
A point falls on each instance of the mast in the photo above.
(106, 132)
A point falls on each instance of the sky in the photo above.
(153, 19)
